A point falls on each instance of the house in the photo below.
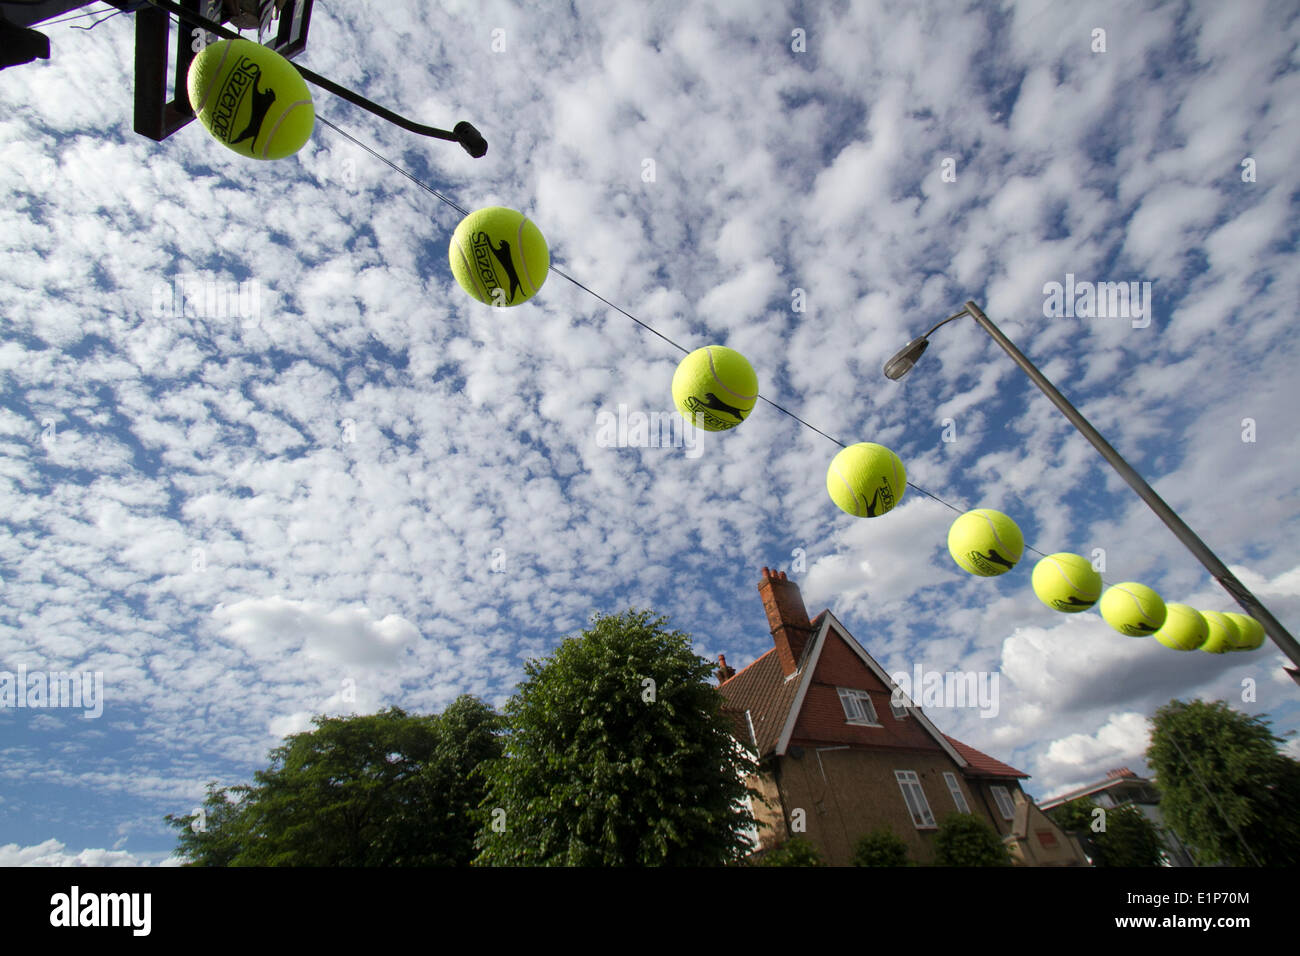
(842, 751)
(1036, 840)
(1122, 786)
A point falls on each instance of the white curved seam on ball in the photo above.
(1070, 581)
(523, 259)
(998, 538)
(280, 122)
(216, 77)
(714, 371)
(1138, 604)
(469, 271)
(849, 488)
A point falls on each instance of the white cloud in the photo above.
(201, 462)
(268, 627)
(54, 853)
(1123, 736)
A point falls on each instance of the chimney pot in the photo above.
(724, 673)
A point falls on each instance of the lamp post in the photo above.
(906, 357)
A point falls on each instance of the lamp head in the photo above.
(905, 358)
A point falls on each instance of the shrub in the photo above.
(881, 847)
(966, 840)
(794, 852)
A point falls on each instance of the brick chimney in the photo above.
(724, 672)
(787, 618)
(1119, 772)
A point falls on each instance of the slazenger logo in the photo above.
(991, 563)
(241, 78)
(484, 254)
(706, 409)
(481, 246)
(102, 909)
(881, 501)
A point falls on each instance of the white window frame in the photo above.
(958, 798)
(858, 708)
(1005, 804)
(897, 707)
(914, 797)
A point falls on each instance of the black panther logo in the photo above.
(991, 563)
(502, 254)
(718, 405)
(994, 558)
(882, 500)
(262, 101)
(480, 247)
(707, 412)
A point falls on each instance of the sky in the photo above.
(355, 487)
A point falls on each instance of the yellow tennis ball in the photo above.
(499, 256)
(1066, 582)
(1185, 628)
(985, 542)
(251, 99)
(1133, 609)
(1223, 635)
(866, 480)
(715, 388)
(1250, 633)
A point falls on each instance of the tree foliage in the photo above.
(881, 847)
(385, 789)
(1226, 790)
(619, 754)
(1127, 839)
(966, 840)
(217, 835)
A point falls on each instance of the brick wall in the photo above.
(822, 717)
(859, 793)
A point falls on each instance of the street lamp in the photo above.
(906, 357)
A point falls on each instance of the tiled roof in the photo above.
(761, 688)
(981, 764)
(737, 724)
(1119, 784)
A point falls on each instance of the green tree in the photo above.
(1226, 790)
(217, 835)
(385, 789)
(966, 840)
(881, 847)
(796, 851)
(618, 754)
(1122, 836)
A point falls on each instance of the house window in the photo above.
(914, 797)
(857, 707)
(1005, 803)
(958, 797)
(898, 706)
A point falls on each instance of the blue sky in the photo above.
(371, 490)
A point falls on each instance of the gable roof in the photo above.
(981, 764)
(774, 702)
